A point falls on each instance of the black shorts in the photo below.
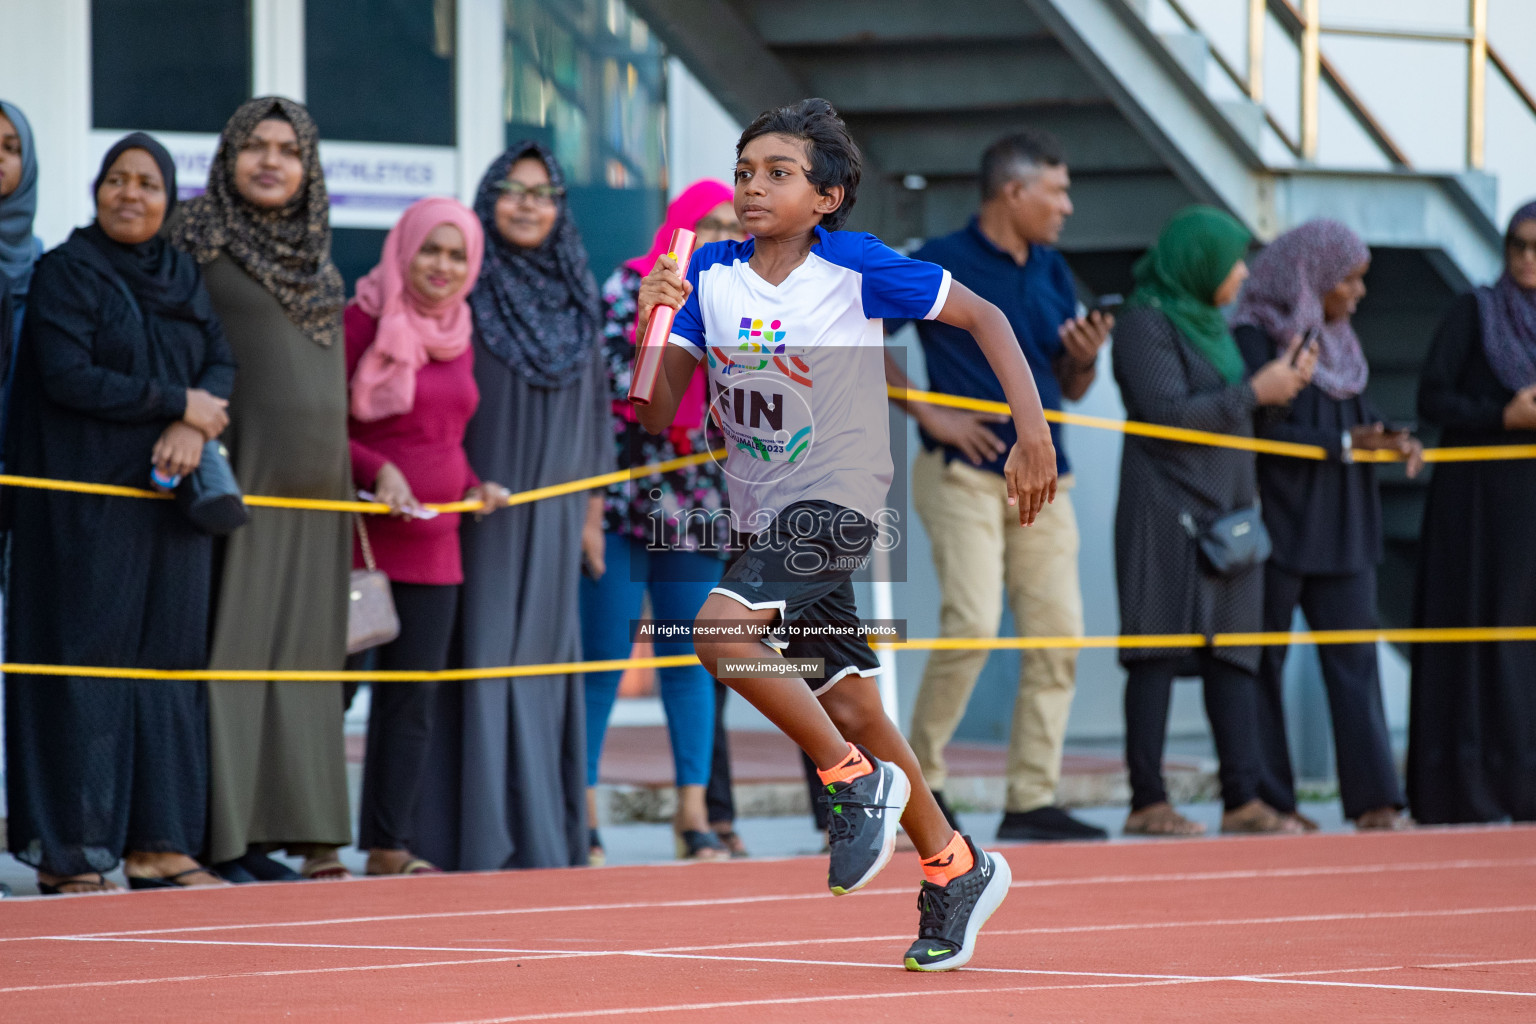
(803, 566)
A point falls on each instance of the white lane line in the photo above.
(1187, 978)
(951, 992)
(1253, 873)
(446, 915)
(260, 974)
(699, 953)
(1134, 926)
(1392, 988)
(629, 1011)
(839, 939)
(579, 955)
(330, 945)
(1207, 876)
(1480, 963)
(1241, 921)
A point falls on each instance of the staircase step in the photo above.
(1192, 51)
(930, 77)
(816, 22)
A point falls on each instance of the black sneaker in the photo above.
(861, 828)
(1047, 825)
(952, 914)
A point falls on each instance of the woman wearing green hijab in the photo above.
(1178, 365)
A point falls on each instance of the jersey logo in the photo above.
(753, 329)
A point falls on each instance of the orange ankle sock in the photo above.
(952, 861)
(850, 767)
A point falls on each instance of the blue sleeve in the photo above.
(894, 324)
(688, 326)
(898, 287)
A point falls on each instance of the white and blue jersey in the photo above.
(796, 371)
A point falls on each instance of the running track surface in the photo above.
(1423, 926)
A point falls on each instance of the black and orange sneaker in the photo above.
(861, 827)
(952, 914)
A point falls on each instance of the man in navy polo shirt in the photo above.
(1004, 254)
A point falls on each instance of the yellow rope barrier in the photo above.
(1205, 437)
(329, 505)
(1480, 634)
(1483, 453)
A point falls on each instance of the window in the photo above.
(590, 74)
(355, 251)
(587, 79)
(381, 70)
(169, 65)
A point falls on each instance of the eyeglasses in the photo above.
(724, 227)
(542, 195)
(1521, 246)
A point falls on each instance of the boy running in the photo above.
(790, 323)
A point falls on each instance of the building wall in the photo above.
(413, 98)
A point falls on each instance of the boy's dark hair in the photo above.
(1014, 156)
(835, 159)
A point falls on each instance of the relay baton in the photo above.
(654, 344)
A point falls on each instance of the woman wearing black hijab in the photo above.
(506, 778)
(122, 368)
(1472, 707)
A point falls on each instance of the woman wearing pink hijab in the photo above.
(661, 535)
(412, 391)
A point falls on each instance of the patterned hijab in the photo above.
(1284, 297)
(288, 250)
(1179, 275)
(537, 310)
(18, 250)
(1508, 314)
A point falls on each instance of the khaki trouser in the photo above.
(978, 548)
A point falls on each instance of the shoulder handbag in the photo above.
(1233, 543)
(371, 618)
(210, 496)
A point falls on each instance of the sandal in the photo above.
(1306, 823)
(414, 866)
(596, 855)
(1161, 821)
(732, 843)
(173, 881)
(695, 845)
(1258, 818)
(92, 885)
(331, 869)
(1383, 819)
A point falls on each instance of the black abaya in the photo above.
(97, 767)
(1325, 521)
(1472, 711)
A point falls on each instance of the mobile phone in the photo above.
(1110, 303)
(1400, 426)
(1307, 340)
